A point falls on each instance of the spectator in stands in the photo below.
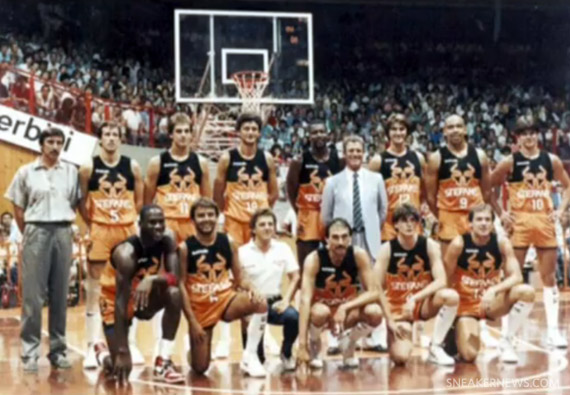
(8, 223)
(45, 102)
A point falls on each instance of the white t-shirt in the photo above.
(266, 270)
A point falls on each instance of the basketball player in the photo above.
(132, 286)
(178, 177)
(410, 269)
(305, 183)
(329, 289)
(531, 217)
(484, 271)
(112, 195)
(246, 181)
(208, 292)
(402, 170)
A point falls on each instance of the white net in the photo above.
(250, 85)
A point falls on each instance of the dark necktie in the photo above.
(357, 223)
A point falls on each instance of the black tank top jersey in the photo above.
(148, 261)
(324, 169)
(388, 160)
(113, 174)
(168, 163)
(237, 162)
(346, 271)
(480, 259)
(522, 164)
(449, 160)
(212, 255)
(416, 259)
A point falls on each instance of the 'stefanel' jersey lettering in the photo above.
(402, 175)
(335, 285)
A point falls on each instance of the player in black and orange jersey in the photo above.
(209, 294)
(246, 180)
(402, 169)
(457, 179)
(483, 269)
(531, 217)
(330, 286)
(141, 279)
(112, 195)
(305, 183)
(176, 178)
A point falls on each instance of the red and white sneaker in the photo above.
(165, 371)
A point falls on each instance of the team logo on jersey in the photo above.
(481, 269)
(340, 289)
(147, 266)
(534, 180)
(182, 182)
(250, 180)
(211, 272)
(462, 178)
(404, 173)
(113, 189)
(411, 272)
(317, 182)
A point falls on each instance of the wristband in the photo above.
(171, 279)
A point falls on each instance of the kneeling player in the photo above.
(328, 290)
(208, 292)
(411, 271)
(132, 286)
(475, 263)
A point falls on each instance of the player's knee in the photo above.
(450, 297)
(94, 269)
(199, 368)
(400, 351)
(373, 315)
(467, 353)
(319, 314)
(290, 316)
(260, 306)
(525, 293)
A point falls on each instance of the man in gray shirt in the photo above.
(45, 194)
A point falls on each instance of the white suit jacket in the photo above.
(337, 202)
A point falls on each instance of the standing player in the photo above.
(246, 181)
(305, 183)
(178, 177)
(329, 289)
(132, 286)
(531, 216)
(457, 179)
(475, 263)
(208, 292)
(401, 168)
(112, 195)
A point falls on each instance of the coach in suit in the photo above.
(359, 196)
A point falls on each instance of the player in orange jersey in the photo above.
(531, 217)
(209, 294)
(176, 178)
(484, 271)
(112, 195)
(141, 279)
(402, 169)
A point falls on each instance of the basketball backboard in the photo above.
(211, 45)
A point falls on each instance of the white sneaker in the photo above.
(508, 353)
(351, 363)
(222, 350)
(315, 353)
(488, 340)
(289, 364)
(438, 356)
(90, 360)
(136, 355)
(556, 340)
(347, 348)
(251, 366)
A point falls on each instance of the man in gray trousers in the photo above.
(45, 194)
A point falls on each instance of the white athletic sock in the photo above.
(332, 340)
(551, 306)
(443, 322)
(157, 330)
(379, 336)
(255, 331)
(314, 332)
(483, 325)
(518, 314)
(358, 331)
(92, 313)
(504, 325)
(165, 348)
(133, 331)
(225, 332)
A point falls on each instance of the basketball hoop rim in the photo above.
(250, 79)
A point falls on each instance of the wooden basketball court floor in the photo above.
(539, 371)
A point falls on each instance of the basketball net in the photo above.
(250, 85)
